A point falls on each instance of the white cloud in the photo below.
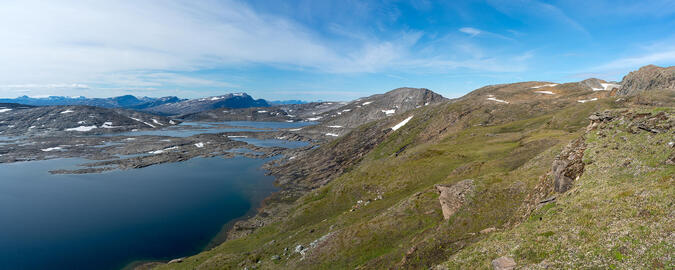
(633, 62)
(146, 45)
(470, 30)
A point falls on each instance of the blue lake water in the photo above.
(105, 221)
(187, 129)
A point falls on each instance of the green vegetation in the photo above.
(384, 212)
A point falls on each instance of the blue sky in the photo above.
(330, 50)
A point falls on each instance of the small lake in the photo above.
(107, 220)
(187, 129)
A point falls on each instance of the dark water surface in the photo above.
(105, 221)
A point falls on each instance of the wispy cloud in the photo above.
(157, 44)
(477, 32)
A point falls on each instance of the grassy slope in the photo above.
(619, 215)
(405, 228)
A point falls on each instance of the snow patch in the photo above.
(545, 92)
(545, 85)
(314, 118)
(156, 122)
(609, 86)
(163, 150)
(67, 111)
(295, 129)
(587, 100)
(335, 126)
(2, 110)
(233, 136)
(108, 125)
(331, 134)
(139, 120)
(81, 128)
(366, 103)
(498, 100)
(51, 149)
(389, 112)
(199, 144)
(172, 122)
(262, 111)
(399, 125)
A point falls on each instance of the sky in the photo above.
(321, 50)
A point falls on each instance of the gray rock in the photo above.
(648, 78)
(503, 263)
(454, 196)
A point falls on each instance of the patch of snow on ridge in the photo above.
(388, 112)
(67, 111)
(262, 111)
(295, 129)
(51, 149)
(199, 144)
(366, 103)
(399, 125)
(81, 128)
(587, 100)
(498, 100)
(172, 122)
(314, 118)
(157, 122)
(139, 120)
(163, 150)
(545, 92)
(335, 126)
(217, 98)
(4, 110)
(331, 134)
(609, 86)
(545, 85)
(108, 125)
(234, 136)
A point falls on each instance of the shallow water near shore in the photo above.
(105, 221)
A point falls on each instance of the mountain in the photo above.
(232, 101)
(127, 101)
(341, 120)
(22, 120)
(648, 78)
(532, 175)
(287, 102)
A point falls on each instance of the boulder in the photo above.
(503, 263)
(452, 197)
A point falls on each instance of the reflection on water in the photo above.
(104, 221)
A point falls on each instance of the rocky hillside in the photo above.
(232, 101)
(340, 121)
(277, 113)
(17, 120)
(648, 78)
(528, 175)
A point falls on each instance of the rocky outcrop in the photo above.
(568, 166)
(648, 78)
(503, 263)
(452, 197)
(56, 120)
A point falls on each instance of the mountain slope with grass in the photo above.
(513, 171)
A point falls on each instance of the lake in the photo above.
(108, 220)
(105, 221)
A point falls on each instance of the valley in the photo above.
(406, 179)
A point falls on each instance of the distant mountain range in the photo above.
(127, 101)
(169, 105)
